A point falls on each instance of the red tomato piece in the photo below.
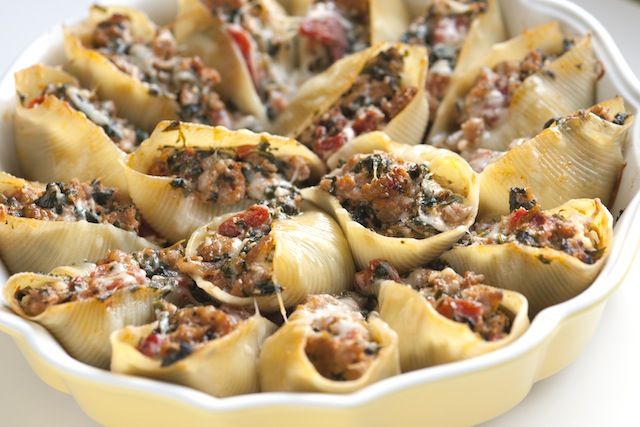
(151, 345)
(327, 30)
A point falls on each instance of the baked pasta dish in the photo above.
(306, 195)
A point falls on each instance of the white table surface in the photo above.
(602, 387)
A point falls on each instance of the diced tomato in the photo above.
(151, 345)
(327, 146)
(35, 101)
(516, 217)
(230, 228)
(256, 216)
(253, 217)
(245, 43)
(244, 150)
(461, 310)
(328, 31)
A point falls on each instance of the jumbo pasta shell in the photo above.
(581, 157)
(54, 141)
(284, 366)
(565, 85)
(94, 70)
(311, 256)
(545, 276)
(548, 38)
(426, 338)
(223, 367)
(485, 31)
(28, 244)
(416, 7)
(203, 34)
(403, 253)
(83, 327)
(388, 20)
(319, 93)
(166, 208)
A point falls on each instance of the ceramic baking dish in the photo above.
(462, 393)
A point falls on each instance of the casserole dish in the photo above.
(555, 338)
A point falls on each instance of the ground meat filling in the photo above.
(181, 332)
(260, 42)
(333, 29)
(102, 113)
(527, 224)
(162, 269)
(396, 198)
(185, 79)
(602, 111)
(463, 299)
(487, 102)
(443, 31)
(376, 97)
(339, 344)
(230, 176)
(238, 257)
(118, 270)
(73, 201)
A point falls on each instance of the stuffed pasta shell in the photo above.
(43, 226)
(265, 255)
(250, 42)
(441, 316)
(457, 34)
(63, 131)
(576, 156)
(381, 88)
(185, 174)
(332, 29)
(214, 350)
(523, 83)
(328, 346)
(82, 305)
(406, 204)
(126, 58)
(549, 256)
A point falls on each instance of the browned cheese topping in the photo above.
(394, 197)
(180, 332)
(73, 201)
(376, 97)
(339, 345)
(464, 299)
(230, 176)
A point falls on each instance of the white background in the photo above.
(602, 388)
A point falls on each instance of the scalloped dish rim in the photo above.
(59, 369)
